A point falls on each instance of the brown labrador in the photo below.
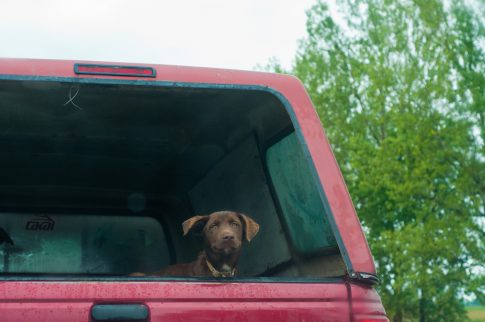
(223, 233)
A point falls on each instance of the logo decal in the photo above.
(40, 222)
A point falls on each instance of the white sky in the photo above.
(211, 33)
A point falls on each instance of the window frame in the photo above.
(295, 126)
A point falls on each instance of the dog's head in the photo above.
(223, 231)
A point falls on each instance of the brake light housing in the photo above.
(115, 70)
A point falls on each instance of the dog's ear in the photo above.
(251, 227)
(195, 224)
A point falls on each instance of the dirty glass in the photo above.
(298, 196)
(47, 243)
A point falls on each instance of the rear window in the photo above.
(57, 243)
(104, 189)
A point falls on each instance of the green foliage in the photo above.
(400, 89)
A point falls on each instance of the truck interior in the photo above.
(97, 177)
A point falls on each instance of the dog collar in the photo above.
(216, 273)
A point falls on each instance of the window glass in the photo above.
(45, 243)
(298, 196)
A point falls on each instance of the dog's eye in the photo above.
(234, 224)
(213, 226)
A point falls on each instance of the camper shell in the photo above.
(102, 162)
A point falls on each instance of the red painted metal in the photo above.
(366, 304)
(176, 301)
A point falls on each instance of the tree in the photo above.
(400, 89)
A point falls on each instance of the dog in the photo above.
(223, 234)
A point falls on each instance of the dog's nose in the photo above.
(228, 237)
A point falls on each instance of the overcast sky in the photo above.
(212, 33)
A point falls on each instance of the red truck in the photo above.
(102, 162)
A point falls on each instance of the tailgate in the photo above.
(173, 301)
